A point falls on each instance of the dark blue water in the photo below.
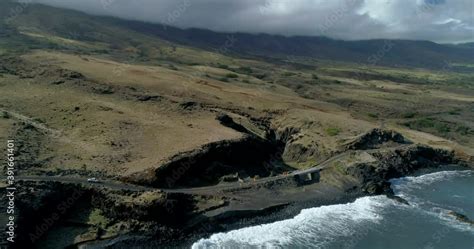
(373, 222)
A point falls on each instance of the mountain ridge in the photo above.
(383, 52)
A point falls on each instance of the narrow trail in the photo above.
(56, 134)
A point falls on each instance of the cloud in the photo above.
(435, 20)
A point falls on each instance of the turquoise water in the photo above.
(373, 222)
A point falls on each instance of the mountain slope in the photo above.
(385, 52)
(116, 33)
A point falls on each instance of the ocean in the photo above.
(375, 222)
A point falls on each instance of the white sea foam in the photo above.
(400, 185)
(315, 227)
(322, 227)
(451, 221)
(407, 187)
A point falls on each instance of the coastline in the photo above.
(351, 201)
(176, 218)
(270, 215)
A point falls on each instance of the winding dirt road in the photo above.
(117, 185)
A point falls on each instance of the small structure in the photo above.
(307, 178)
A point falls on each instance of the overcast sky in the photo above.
(435, 20)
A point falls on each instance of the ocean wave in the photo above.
(451, 221)
(408, 188)
(314, 227)
(401, 185)
(344, 225)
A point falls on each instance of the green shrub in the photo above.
(333, 131)
(222, 66)
(430, 123)
(288, 74)
(442, 128)
(464, 130)
(455, 112)
(232, 76)
(244, 70)
(373, 115)
(5, 115)
(409, 115)
(261, 76)
(339, 167)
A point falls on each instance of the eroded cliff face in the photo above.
(364, 167)
(255, 157)
(250, 156)
(398, 162)
(375, 139)
(45, 210)
(40, 207)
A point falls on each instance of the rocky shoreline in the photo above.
(177, 217)
(251, 219)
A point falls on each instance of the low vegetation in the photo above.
(119, 104)
(333, 131)
(232, 76)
